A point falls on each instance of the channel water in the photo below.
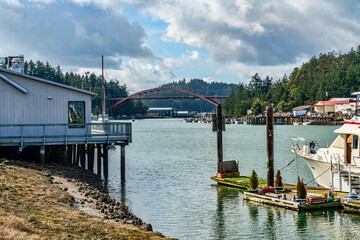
(168, 170)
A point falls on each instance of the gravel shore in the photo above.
(90, 195)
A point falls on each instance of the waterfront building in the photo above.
(41, 114)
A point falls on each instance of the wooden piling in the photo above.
(42, 155)
(219, 134)
(82, 156)
(106, 161)
(99, 155)
(270, 145)
(69, 153)
(122, 156)
(90, 157)
(77, 154)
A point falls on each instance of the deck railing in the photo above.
(65, 131)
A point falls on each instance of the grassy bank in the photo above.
(32, 207)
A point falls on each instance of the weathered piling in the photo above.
(42, 155)
(122, 156)
(270, 145)
(99, 155)
(106, 160)
(219, 127)
(90, 156)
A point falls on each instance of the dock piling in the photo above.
(106, 161)
(270, 145)
(42, 155)
(219, 127)
(122, 156)
(99, 155)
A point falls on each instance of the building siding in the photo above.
(35, 107)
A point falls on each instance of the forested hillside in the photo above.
(88, 81)
(333, 73)
(195, 85)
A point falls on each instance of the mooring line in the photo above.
(317, 176)
(288, 164)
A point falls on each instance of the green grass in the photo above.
(33, 208)
(243, 180)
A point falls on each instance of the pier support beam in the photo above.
(90, 157)
(122, 159)
(99, 154)
(82, 156)
(270, 145)
(106, 161)
(219, 127)
(42, 155)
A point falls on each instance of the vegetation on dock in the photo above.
(32, 206)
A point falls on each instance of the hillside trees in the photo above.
(328, 75)
(87, 81)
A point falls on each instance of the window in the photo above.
(77, 114)
(355, 142)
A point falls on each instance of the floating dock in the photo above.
(315, 194)
(296, 206)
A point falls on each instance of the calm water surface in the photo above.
(168, 170)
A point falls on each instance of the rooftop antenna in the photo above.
(102, 88)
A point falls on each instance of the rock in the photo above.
(146, 226)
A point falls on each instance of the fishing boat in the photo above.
(337, 166)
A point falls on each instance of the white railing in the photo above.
(65, 131)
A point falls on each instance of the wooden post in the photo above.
(106, 161)
(99, 155)
(219, 134)
(90, 154)
(77, 158)
(270, 145)
(82, 155)
(69, 154)
(64, 154)
(42, 154)
(122, 156)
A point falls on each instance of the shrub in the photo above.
(300, 189)
(278, 179)
(253, 181)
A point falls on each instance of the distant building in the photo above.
(335, 105)
(169, 111)
(325, 107)
(301, 110)
(181, 113)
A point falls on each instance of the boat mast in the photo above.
(102, 88)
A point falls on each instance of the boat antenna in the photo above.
(102, 88)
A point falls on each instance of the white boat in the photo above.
(297, 123)
(337, 166)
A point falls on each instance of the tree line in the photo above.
(328, 75)
(194, 85)
(88, 81)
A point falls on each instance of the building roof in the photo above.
(303, 107)
(160, 109)
(325, 103)
(11, 82)
(15, 85)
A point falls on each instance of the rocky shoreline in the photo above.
(90, 195)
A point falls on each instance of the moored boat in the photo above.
(337, 166)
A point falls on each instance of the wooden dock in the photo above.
(296, 206)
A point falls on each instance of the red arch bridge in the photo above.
(140, 95)
(187, 95)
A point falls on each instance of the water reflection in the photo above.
(227, 198)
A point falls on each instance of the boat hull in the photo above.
(320, 171)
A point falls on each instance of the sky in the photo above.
(147, 43)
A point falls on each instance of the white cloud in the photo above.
(137, 75)
(259, 32)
